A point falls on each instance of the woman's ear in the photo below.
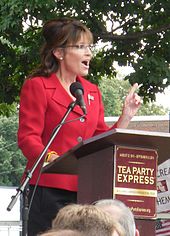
(58, 53)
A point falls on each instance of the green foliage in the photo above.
(114, 92)
(12, 162)
(138, 33)
(152, 72)
(7, 109)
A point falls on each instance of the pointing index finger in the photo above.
(133, 89)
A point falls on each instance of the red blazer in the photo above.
(43, 103)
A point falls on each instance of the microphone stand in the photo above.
(23, 188)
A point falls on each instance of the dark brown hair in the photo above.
(59, 33)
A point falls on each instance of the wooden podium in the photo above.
(93, 161)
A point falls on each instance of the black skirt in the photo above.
(44, 207)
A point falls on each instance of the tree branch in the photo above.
(132, 36)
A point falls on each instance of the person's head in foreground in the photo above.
(87, 219)
(64, 232)
(120, 212)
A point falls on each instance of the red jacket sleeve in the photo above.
(32, 109)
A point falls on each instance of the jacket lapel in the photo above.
(60, 95)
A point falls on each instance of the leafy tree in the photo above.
(114, 92)
(134, 32)
(12, 162)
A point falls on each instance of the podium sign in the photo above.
(135, 171)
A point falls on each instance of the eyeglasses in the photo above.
(81, 47)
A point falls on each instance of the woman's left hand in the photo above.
(132, 102)
(131, 105)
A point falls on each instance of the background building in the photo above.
(148, 123)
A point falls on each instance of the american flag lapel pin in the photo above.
(90, 98)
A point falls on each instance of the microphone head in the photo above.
(76, 86)
(77, 91)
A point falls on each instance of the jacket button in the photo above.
(82, 119)
(79, 139)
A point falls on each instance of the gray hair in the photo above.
(120, 212)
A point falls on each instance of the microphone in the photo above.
(77, 91)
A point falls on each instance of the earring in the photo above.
(61, 58)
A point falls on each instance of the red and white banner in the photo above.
(163, 198)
